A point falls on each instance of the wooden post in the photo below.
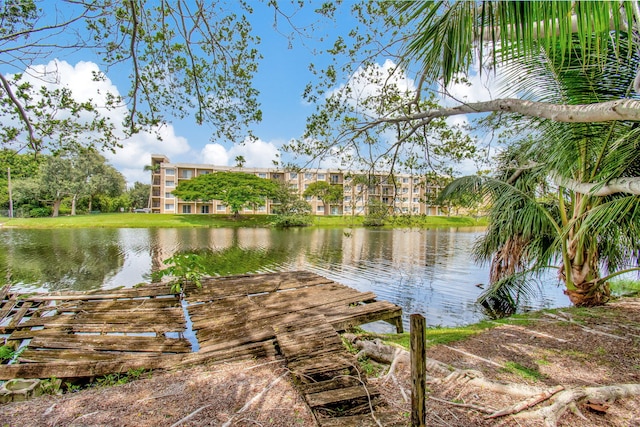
(418, 370)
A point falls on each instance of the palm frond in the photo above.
(449, 36)
(505, 296)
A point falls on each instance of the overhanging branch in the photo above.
(621, 109)
(628, 185)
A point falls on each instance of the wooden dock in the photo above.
(295, 314)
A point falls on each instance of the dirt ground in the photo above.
(574, 349)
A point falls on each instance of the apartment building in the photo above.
(404, 194)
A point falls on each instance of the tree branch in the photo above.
(33, 141)
(628, 185)
(621, 109)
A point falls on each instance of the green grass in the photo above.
(141, 220)
(625, 287)
(445, 335)
(523, 371)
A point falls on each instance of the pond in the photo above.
(430, 272)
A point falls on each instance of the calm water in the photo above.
(424, 271)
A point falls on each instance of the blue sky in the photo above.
(282, 76)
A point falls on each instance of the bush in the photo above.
(286, 221)
(40, 212)
(373, 222)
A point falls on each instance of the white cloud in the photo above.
(367, 83)
(136, 150)
(258, 153)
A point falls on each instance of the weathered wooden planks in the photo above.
(99, 332)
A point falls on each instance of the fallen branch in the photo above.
(188, 417)
(464, 405)
(526, 404)
(466, 353)
(254, 399)
(568, 399)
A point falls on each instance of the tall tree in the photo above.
(328, 193)
(235, 189)
(554, 202)
(183, 58)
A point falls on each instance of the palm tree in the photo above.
(553, 203)
(240, 161)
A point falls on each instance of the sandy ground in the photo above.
(595, 347)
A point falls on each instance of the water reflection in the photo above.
(424, 271)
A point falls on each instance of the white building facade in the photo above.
(402, 193)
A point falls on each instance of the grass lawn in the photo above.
(142, 220)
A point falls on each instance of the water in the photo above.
(430, 272)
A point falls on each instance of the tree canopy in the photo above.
(183, 58)
(235, 189)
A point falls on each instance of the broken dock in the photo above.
(296, 315)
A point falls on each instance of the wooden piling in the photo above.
(418, 370)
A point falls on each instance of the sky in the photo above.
(281, 79)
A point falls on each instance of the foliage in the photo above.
(350, 122)
(121, 378)
(377, 213)
(207, 49)
(51, 386)
(20, 165)
(330, 194)
(450, 37)
(187, 269)
(234, 189)
(73, 175)
(290, 210)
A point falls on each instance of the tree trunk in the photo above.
(585, 288)
(56, 207)
(73, 204)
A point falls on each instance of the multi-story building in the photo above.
(402, 193)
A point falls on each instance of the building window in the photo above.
(293, 175)
(204, 172)
(188, 174)
(321, 177)
(262, 175)
(306, 186)
(385, 200)
(204, 209)
(405, 180)
(308, 198)
(359, 188)
(405, 199)
(275, 175)
(347, 208)
(335, 179)
(221, 208)
(405, 190)
(294, 186)
(168, 195)
(308, 176)
(168, 206)
(405, 210)
(415, 209)
(261, 208)
(320, 209)
(416, 190)
(347, 198)
(169, 183)
(170, 172)
(415, 200)
(186, 209)
(347, 189)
